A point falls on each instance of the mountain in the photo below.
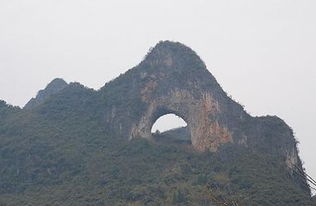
(52, 88)
(77, 146)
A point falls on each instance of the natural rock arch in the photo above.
(173, 79)
(144, 127)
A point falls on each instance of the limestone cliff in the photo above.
(173, 79)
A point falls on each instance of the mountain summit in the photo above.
(172, 55)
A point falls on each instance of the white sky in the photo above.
(263, 53)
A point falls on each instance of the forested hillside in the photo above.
(60, 151)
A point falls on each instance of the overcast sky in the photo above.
(263, 53)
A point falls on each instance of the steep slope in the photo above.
(77, 146)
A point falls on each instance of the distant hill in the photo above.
(72, 145)
(52, 88)
(177, 136)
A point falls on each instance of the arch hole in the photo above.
(171, 128)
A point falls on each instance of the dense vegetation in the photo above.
(59, 154)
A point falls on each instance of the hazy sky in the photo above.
(263, 53)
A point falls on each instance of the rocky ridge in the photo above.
(52, 88)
